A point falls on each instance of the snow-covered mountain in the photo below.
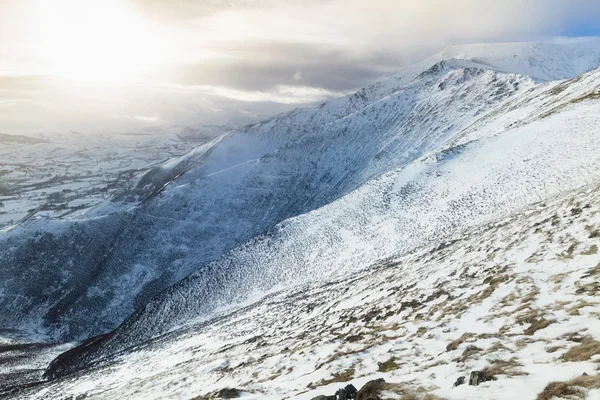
(472, 135)
(516, 299)
(241, 185)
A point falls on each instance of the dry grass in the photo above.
(493, 282)
(589, 289)
(568, 253)
(573, 389)
(537, 325)
(469, 352)
(576, 337)
(453, 345)
(528, 317)
(558, 278)
(580, 304)
(592, 272)
(502, 367)
(497, 346)
(388, 365)
(376, 390)
(593, 249)
(343, 376)
(589, 347)
(554, 349)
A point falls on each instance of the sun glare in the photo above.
(97, 41)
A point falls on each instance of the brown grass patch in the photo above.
(573, 389)
(580, 304)
(343, 376)
(589, 347)
(373, 391)
(589, 289)
(592, 272)
(388, 365)
(576, 337)
(469, 352)
(509, 367)
(497, 346)
(553, 349)
(453, 345)
(528, 317)
(593, 249)
(537, 325)
(568, 254)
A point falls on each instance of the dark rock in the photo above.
(459, 381)
(324, 398)
(584, 374)
(347, 393)
(371, 389)
(228, 393)
(478, 377)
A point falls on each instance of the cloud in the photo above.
(267, 64)
(361, 26)
(239, 61)
(342, 45)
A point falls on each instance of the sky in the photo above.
(127, 64)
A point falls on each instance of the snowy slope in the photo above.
(518, 297)
(308, 197)
(234, 188)
(190, 211)
(545, 61)
(435, 196)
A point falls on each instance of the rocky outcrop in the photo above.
(478, 377)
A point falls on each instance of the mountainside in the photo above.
(240, 185)
(516, 299)
(439, 194)
(305, 203)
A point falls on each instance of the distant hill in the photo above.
(9, 138)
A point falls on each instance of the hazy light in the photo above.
(96, 41)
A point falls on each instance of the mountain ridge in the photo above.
(276, 143)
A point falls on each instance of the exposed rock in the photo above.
(324, 398)
(459, 381)
(371, 389)
(478, 377)
(347, 393)
(228, 393)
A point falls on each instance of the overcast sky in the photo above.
(121, 64)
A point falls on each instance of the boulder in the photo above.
(478, 377)
(228, 393)
(347, 393)
(459, 381)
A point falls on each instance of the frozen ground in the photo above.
(518, 297)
